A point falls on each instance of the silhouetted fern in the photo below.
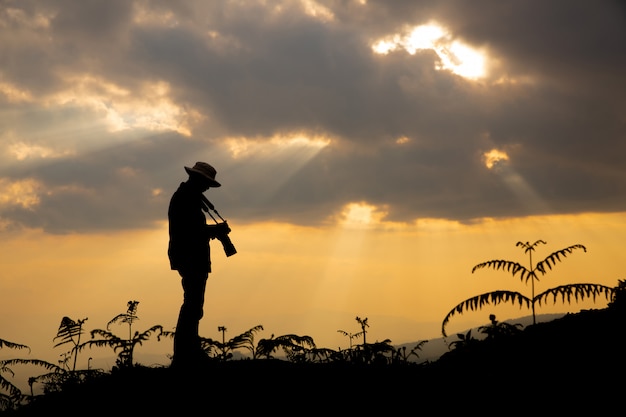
(294, 346)
(70, 332)
(125, 347)
(567, 293)
(10, 395)
(223, 350)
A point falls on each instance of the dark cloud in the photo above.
(251, 70)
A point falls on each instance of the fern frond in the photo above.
(122, 317)
(576, 291)
(246, 339)
(37, 362)
(528, 247)
(108, 339)
(11, 345)
(477, 302)
(68, 329)
(13, 391)
(104, 334)
(294, 339)
(166, 333)
(112, 343)
(146, 334)
(509, 266)
(420, 345)
(556, 256)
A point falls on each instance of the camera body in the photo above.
(227, 244)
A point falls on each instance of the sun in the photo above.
(454, 55)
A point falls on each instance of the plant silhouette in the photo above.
(70, 331)
(10, 395)
(125, 347)
(363, 323)
(351, 336)
(373, 352)
(497, 330)
(566, 292)
(401, 356)
(225, 348)
(59, 375)
(295, 347)
(464, 340)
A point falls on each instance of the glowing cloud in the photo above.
(37, 21)
(21, 193)
(15, 94)
(309, 145)
(314, 9)
(142, 15)
(149, 108)
(361, 215)
(455, 56)
(402, 140)
(22, 151)
(494, 157)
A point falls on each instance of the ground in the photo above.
(572, 364)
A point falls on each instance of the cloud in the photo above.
(102, 103)
(22, 193)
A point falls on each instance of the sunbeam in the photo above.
(272, 161)
(497, 161)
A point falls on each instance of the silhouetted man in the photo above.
(189, 254)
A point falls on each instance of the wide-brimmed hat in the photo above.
(206, 171)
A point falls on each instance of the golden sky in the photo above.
(371, 153)
(298, 280)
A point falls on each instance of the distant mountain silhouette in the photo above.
(434, 348)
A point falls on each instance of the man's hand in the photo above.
(215, 231)
(222, 229)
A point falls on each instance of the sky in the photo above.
(370, 154)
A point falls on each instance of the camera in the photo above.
(229, 248)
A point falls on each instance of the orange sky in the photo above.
(297, 280)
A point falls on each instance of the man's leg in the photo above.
(187, 348)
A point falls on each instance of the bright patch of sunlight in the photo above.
(423, 37)
(402, 140)
(361, 215)
(22, 151)
(149, 108)
(454, 55)
(494, 157)
(302, 143)
(314, 9)
(22, 193)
